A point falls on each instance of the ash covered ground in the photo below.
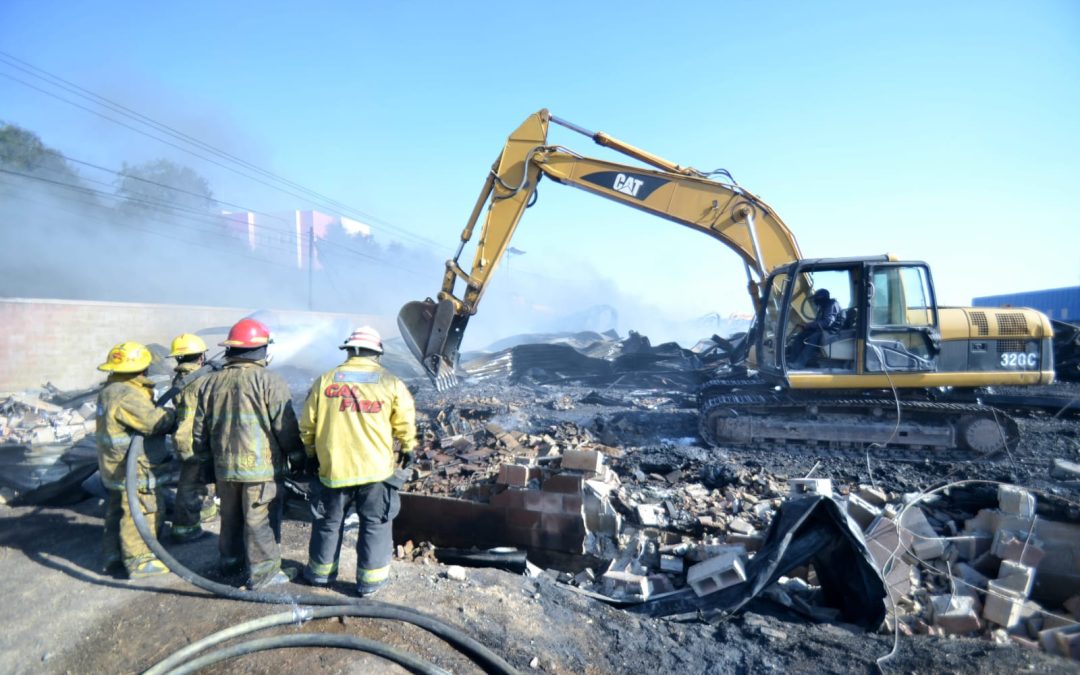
(63, 616)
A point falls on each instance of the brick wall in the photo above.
(63, 341)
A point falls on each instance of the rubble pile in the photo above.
(41, 440)
(644, 533)
(1004, 573)
(598, 359)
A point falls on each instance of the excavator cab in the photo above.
(887, 320)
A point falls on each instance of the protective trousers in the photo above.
(121, 541)
(191, 495)
(376, 504)
(250, 528)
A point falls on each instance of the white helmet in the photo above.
(364, 337)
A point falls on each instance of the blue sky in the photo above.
(938, 131)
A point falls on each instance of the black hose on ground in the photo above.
(484, 657)
(404, 660)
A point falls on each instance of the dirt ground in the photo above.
(61, 615)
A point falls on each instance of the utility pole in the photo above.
(310, 263)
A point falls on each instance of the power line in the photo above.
(97, 99)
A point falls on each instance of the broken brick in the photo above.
(955, 614)
(625, 584)
(513, 474)
(807, 487)
(861, 511)
(1010, 545)
(583, 460)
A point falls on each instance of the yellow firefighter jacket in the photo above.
(126, 407)
(185, 402)
(244, 417)
(352, 416)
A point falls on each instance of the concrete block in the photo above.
(971, 577)
(660, 583)
(1009, 545)
(1016, 501)
(928, 548)
(807, 487)
(861, 511)
(1068, 640)
(970, 546)
(647, 515)
(955, 614)
(583, 460)
(1072, 606)
(564, 483)
(925, 541)
(1002, 606)
(716, 574)
(872, 495)
(671, 563)
(740, 526)
(751, 542)
(1016, 577)
(1065, 470)
(1062, 641)
(626, 585)
(513, 474)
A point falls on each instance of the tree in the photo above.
(163, 186)
(23, 151)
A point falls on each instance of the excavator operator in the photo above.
(810, 337)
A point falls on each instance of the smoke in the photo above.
(66, 236)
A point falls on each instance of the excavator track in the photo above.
(753, 414)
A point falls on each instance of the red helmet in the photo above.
(248, 333)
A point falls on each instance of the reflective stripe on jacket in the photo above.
(125, 407)
(245, 419)
(351, 418)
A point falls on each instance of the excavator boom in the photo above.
(433, 329)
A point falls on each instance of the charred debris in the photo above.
(576, 456)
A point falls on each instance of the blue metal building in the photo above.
(1062, 304)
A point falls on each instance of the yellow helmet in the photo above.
(127, 357)
(187, 344)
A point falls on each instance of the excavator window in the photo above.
(903, 320)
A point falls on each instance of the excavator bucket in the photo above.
(433, 333)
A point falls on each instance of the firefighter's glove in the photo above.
(406, 460)
(311, 467)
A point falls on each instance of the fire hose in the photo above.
(488, 660)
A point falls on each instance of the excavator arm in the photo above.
(433, 330)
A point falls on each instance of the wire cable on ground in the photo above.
(487, 659)
(401, 658)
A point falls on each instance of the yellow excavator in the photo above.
(893, 368)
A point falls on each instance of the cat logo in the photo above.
(628, 185)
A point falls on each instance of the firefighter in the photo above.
(351, 419)
(125, 407)
(245, 420)
(193, 504)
